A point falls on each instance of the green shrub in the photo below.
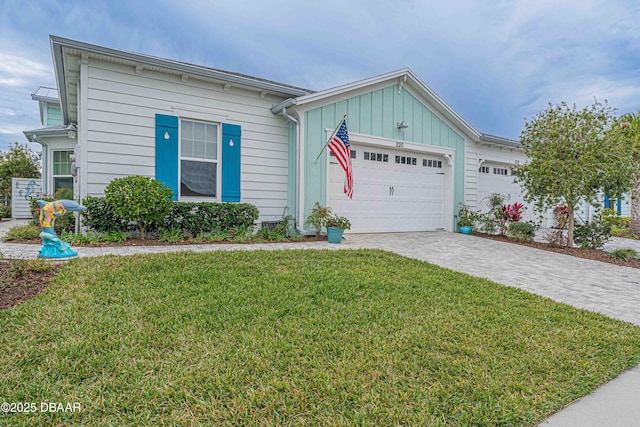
(611, 218)
(197, 218)
(593, 235)
(139, 199)
(22, 232)
(522, 231)
(171, 236)
(5, 211)
(101, 217)
(277, 234)
(624, 254)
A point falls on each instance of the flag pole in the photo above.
(330, 138)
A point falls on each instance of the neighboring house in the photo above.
(58, 142)
(213, 135)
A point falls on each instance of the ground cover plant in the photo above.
(298, 338)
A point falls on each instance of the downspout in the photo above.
(296, 194)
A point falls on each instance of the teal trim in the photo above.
(54, 116)
(167, 152)
(231, 139)
(376, 113)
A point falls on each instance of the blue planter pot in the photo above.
(466, 229)
(334, 234)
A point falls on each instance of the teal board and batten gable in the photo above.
(54, 116)
(376, 113)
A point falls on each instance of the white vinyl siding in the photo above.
(120, 116)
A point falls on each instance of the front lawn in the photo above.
(298, 338)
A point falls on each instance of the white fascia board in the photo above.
(411, 79)
(58, 43)
(306, 99)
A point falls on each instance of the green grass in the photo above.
(298, 338)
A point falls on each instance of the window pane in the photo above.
(186, 148)
(198, 179)
(199, 149)
(199, 131)
(61, 163)
(187, 129)
(211, 151)
(59, 183)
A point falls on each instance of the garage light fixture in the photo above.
(403, 125)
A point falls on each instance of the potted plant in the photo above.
(336, 225)
(466, 219)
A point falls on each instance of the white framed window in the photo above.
(198, 168)
(62, 177)
(484, 169)
(500, 171)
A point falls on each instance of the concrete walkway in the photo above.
(604, 288)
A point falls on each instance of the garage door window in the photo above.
(432, 163)
(484, 169)
(376, 157)
(500, 171)
(403, 160)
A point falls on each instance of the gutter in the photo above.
(296, 155)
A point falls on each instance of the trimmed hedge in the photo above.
(100, 217)
(203, 217)
(188, 217)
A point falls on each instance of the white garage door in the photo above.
(496, 178)
(392, 191)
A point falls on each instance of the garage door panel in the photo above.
(389, 196)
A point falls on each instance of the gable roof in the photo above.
(62, 48)
(403, 77)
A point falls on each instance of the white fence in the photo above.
(22, 191)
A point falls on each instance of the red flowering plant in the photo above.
(510, 213)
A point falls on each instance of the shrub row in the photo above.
(203, 217)
(188, 217)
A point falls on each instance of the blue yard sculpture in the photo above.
(52, 246)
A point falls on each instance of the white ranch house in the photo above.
(214, 135)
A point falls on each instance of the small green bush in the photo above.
(22, 232)
(139, 199)
(522, 231)
(593, 235)
(171, 236)
(20, 267)
(611, 218)
(5, 211)
(624, 254)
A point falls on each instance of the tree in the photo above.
(626, 131)
(18, 162)
(570, 160)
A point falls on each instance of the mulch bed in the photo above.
(593, 254)
(154, 242)
(17, 286)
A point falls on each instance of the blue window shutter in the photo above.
(167, 152)
(230, 163)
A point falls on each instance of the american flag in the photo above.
(340, 147)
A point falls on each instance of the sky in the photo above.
(495, 62)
